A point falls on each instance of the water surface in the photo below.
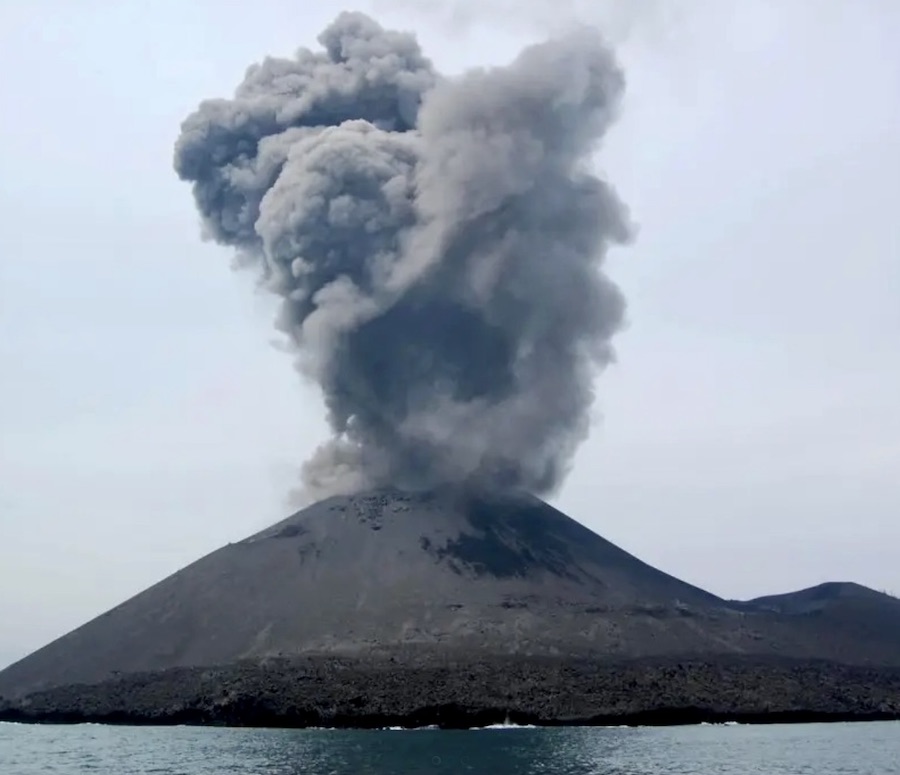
(809, 749)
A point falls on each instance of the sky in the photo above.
(747, 439)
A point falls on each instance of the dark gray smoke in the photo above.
(437, 243)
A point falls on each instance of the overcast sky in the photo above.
(748, 440)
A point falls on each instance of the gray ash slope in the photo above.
(445, 574)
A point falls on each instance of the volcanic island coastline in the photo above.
(457, 610)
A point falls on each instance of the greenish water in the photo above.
(813, 749)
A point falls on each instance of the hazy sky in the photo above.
(748, 440)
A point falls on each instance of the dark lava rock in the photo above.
(334, 692)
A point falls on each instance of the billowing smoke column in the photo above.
(437, 244)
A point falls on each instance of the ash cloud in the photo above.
(437, 244)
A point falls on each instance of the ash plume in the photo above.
(436, 242)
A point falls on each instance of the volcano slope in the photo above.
(453, 607)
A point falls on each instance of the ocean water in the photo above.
(813, 749)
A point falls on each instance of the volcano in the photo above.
(444, 575)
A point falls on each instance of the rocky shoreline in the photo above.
(465, 693)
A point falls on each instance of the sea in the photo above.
(807, 749)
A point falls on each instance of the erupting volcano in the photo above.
(437, 244)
